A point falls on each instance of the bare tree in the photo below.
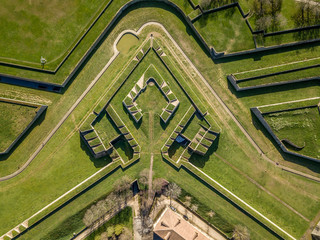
(241, 233)
(143, 178)
(126, 234)
(173, 191)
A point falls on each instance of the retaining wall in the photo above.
(40, 110)
(257, 113)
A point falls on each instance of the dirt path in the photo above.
(150, 178)
(151, 121)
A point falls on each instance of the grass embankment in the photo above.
(290, 76)
(225, 30)
(34, 26)
(14, 118)
(301, 127)
(277, 68)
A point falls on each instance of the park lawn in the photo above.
(253, 167)
(126, 42)
(43, 29)
(14, 118)
(62, 73)
(226, 31)
(301, 127)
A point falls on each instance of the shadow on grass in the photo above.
(200, 161)
(98, 163)
(258, 55)
(272, 89)
(313, 166)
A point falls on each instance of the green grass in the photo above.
(126, 42)
(105, 129)
(14, 118)
(306, 73)
(36, 25)
(225, 30)
(124, 218)
(151, 99)
(203, 210)
(124, 149)
(274, 69)
(301, 127)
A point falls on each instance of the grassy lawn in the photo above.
(43, 29)
(14, 118)
(126, 42)
(300, 127)
(225, 30)
(64, 161)
(151, 100)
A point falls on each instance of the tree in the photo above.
(241, 233)
(118, 229)
(158, 184)
(126, 234)
(144, 178)
(211, 213)
(104, 236)
(110, 231)
(173, 191)
(43, 61)
(88, 218)
(122, 189)
(194, 207)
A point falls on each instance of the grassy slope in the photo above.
(253, 166)
(225, 31)
(13, 120)
(301, 127)
(43, 29)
